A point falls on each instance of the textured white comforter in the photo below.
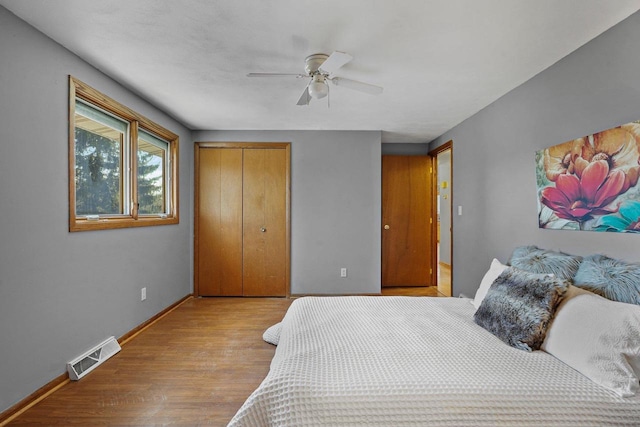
(419, 361)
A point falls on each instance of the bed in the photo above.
(420, 361)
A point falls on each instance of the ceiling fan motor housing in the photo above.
(313, 62)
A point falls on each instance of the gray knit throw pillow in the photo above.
(519, 307)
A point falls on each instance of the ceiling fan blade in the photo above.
(356, 85)
(335, 61)
(276, 75)
(305, 97)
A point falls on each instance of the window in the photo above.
(122, 167)
(100, 145)
(152, 173)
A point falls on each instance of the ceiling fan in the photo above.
(319, 69)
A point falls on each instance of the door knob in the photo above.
(263, 229)
(386, 226)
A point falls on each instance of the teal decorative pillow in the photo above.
(611, 278)
(519, 307)
(536, 260)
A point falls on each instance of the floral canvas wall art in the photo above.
(591, 183)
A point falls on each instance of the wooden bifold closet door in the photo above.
(263, 197)
(242, 220)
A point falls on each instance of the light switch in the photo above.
(459, 210)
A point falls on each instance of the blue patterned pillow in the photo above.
(611, 278)
(536, 260)
(519, 307)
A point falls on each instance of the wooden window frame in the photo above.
(82, 91)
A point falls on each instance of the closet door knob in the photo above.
(263, 230)
(386, 227)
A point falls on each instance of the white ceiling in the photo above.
(439, 61)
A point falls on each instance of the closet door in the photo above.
(265, 224)
(219, 219)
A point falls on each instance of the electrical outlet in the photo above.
(343, 272)
(143, 294)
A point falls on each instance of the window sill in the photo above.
(114, 223)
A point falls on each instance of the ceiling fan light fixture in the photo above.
(318, 88)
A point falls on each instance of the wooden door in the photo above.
(219, 219)
(264, 218)
(406, 221)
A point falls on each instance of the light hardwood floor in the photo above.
(194, 367)
(444, 279)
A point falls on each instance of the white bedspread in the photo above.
(419, 361)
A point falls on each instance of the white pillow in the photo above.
(599, 338)
(272, 334)
(490, 276)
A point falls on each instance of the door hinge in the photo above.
(430, 169)
(431, 271)
(430, 220)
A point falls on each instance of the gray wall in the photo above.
(593, 89)
(62, 293)
(335, 207)
(405, 149)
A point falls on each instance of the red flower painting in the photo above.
(584, 179)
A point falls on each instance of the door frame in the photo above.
(434, 158)
(254, 145)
